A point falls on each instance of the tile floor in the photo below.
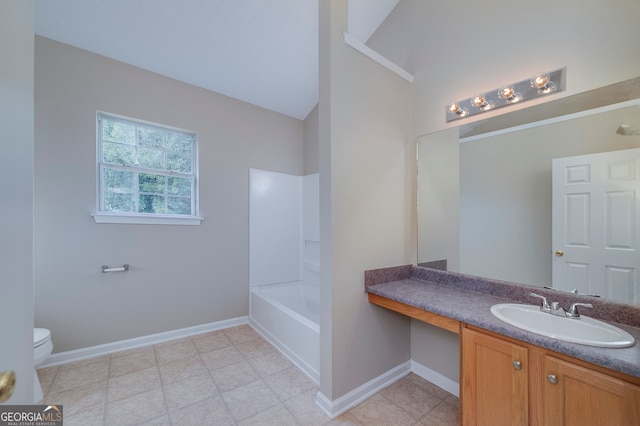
(225, 377)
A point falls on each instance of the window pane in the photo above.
(121, 181)
(179, 186)
(150, 138)
(117, 202)
(151, 183)
(118, 131)
(151, 204)
(151, 158)
(179, 205)
(146, 168)
(180, 143)
(179, 163)
(117, 153)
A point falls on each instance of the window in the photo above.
(147, 173)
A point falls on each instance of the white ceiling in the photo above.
(264, 52)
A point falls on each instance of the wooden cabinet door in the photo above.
(574, 395)
(494, 381)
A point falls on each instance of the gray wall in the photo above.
(451, 60)
(311, 142)
(595, 40)
(180, 276)
(17, 20)
(367, 190)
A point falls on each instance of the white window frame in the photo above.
(104, 216)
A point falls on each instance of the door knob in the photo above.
(559, 253)
(7, 384)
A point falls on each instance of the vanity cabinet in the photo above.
(506, 382)
(495, 376)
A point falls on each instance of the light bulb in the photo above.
(457, 109)
(506, 92)
(478, 101)
(542, 82)
(481, 102)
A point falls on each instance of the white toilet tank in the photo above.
(42, 345)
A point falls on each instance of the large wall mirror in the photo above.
(486, 194)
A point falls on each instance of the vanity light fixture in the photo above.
(481, 102)
(457, 110)
(539, 85)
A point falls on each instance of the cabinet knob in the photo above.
(552, 379)
(517, 365)
(559, 253)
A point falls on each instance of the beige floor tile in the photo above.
(248, 400)
(211, 411)
(241, 334)
(221, 358)
(124, 386)
(159, 421)
(46, 376)
(86, 417)
(133, 351)
(136, 409)
(442, 415)
(254, 348)
(182, 369)
(275, 416)
(211, 341)
(411, 398)
(378, 410)
(428, 386)
(270, 363)
(304, 409)
(99, 360)
(346, 419)
(234, 375)
(289, 383)
(189, 391)
(79, 399)
(173, 351)
(134, 360)
(80, 375)
(225, 377)
(453, 400)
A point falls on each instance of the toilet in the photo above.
(42, 347)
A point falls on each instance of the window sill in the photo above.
(142, 219)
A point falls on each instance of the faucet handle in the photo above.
(573, 310)
(545, 305)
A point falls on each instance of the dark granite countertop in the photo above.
(469, 299)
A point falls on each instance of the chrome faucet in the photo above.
(555, 309)
(573, 310)
(545, 305)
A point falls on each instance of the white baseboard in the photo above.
(152, 339)
(336, 407)
(436, 378)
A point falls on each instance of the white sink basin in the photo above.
(584, 330)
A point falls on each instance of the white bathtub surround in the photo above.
(284, 264)
(287, 315)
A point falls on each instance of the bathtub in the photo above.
(288, 316)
